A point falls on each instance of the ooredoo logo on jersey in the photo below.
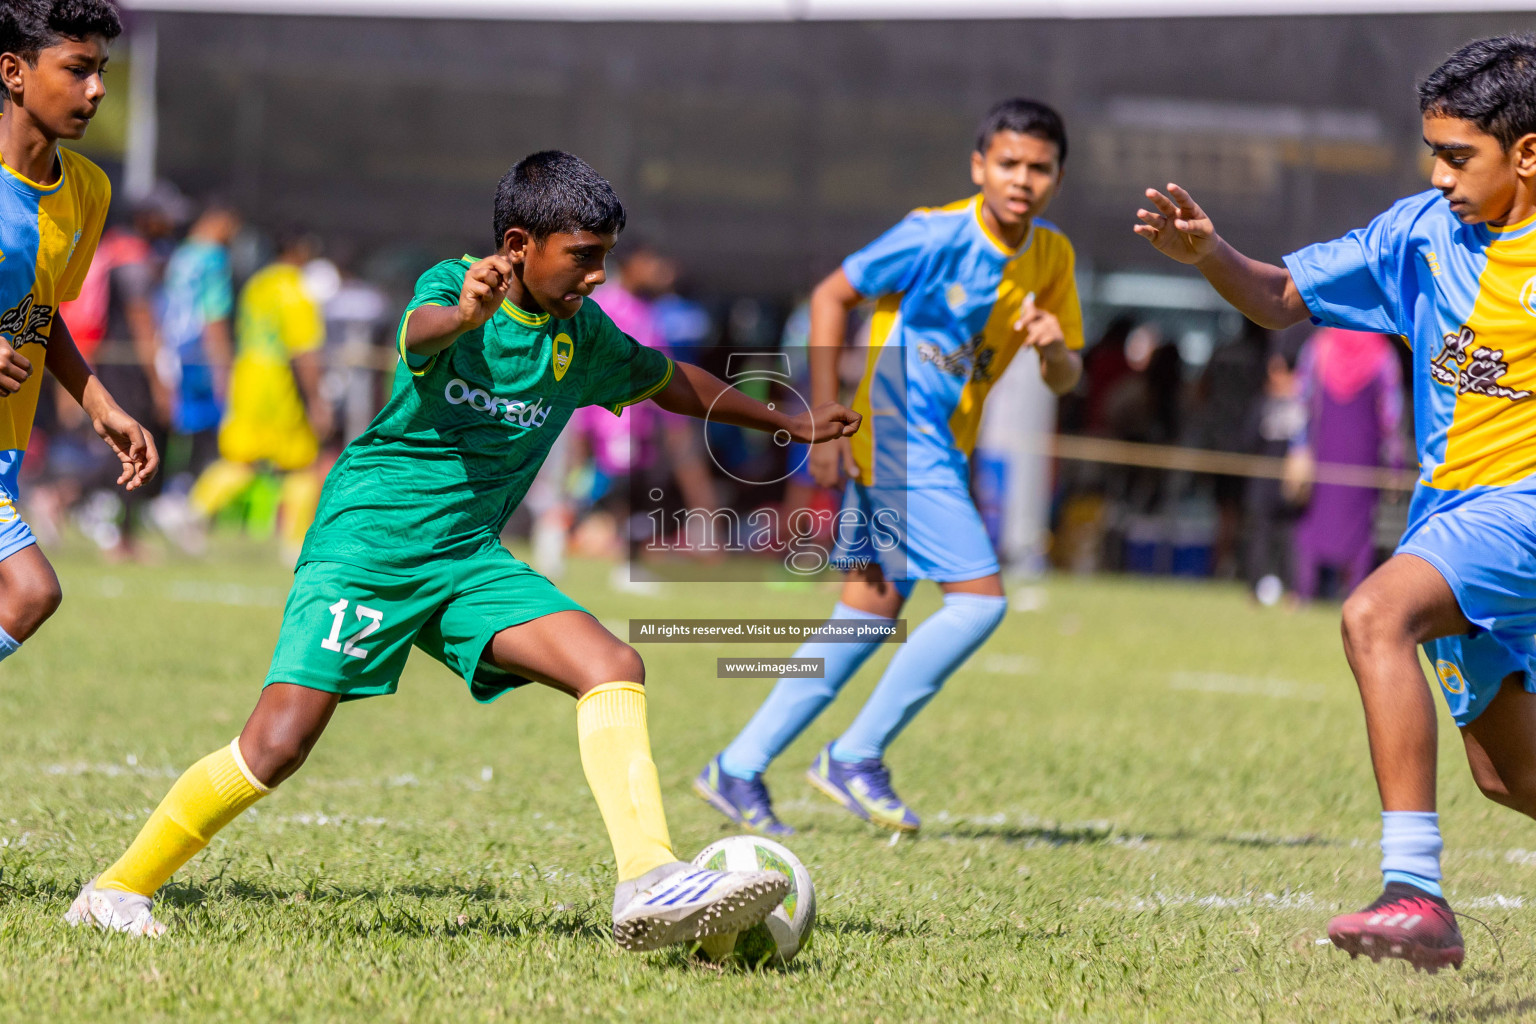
(515, 412)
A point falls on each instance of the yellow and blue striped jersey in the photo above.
(48, 234)
(1464, 297)
(947, 295)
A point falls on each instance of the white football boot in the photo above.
(113, 911)
(678, 902)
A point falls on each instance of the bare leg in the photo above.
(569, 651)
(283, 729)
(1501, 748)
(868, 590)
(1399, 606)
(29, 592)
(988, 586)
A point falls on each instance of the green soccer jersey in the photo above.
(440, 469)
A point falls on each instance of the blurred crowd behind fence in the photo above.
(283, 179)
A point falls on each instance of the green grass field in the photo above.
(1142, 801)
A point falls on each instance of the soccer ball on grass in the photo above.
(788, 929)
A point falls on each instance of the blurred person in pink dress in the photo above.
(1351, 385)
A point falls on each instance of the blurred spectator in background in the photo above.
(1351, 387)
(196, 306)
(1145, 406)
(627, 450)
(685, 325)
(357, 349)
(1275, 418)
(277, 415)
(113, 322)
(1237, 382)
(1104, 367)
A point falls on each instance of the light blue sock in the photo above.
(9, 645)
(1410, 849)
(794, 703)
(931, 654)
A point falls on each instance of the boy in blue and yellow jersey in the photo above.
(958, 291)
(1453, 271)
(52, 207)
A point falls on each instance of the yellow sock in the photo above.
(208, 796)
(300, 498)
(616, 755)
(221, 483)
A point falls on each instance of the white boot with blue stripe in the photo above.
(678, 902)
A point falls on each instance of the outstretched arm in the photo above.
(1180, 230)
(130, 442)
(432, 328)
(696, 392)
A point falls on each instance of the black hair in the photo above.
(1490, 82)
(551, 192)
(28, 27)
(1027, 117)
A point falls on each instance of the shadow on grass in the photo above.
(1494, 1009)
(1043, 835)
(1270, 841)
(683, 958)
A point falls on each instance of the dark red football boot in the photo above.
(1405, 922)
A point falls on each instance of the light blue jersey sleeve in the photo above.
(891, 262)
(1354, 282)
(217, 295)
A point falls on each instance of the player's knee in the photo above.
(623, 664)
(1368, 620)
(274, 755)
(1518, 793)
(617, 663)
(32, 601)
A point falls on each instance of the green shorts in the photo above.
(349, 630)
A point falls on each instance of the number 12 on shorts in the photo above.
(370, 618)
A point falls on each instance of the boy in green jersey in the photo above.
(495, 356)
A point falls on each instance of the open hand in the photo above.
(132, 444)
(1178, 228)
(15, 368)
(485, 286)
(1039, 327)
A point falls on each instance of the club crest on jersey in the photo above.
(956, 297)
(1450, 677)
(1528, 295)
(23, 323)
(968, 362)
(565, 348)
(1475, 371)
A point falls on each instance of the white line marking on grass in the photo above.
(1028, 599)
(327, 819)
(109, 770)
(1223, 682)
(1525, 858)
(1495, 902)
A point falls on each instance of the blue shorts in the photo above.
(1485, 548)
(921, 533)
(15, 534)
